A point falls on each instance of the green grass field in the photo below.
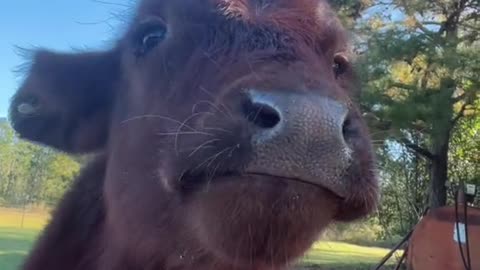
(17, 233)
(15, 242)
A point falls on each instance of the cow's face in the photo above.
(234, 116)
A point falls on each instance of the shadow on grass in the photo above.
(11, 260)
(14, 245)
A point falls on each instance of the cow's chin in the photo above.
(250, 221)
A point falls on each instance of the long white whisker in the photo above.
(181, 175)
(213, 97)
(233, 150)
(212, 157)
(257, 114)
(218, 129)
(184, 123)
(156, 117)
(210, 178)
(216, 156)
(212, 105)
(184, 133)
(202, 146)
(194, 108)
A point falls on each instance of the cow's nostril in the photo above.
(348, 129)
(261, 115)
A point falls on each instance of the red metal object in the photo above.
(432, 245)
(446, 238)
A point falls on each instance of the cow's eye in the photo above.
(149, 35)
(340, 65)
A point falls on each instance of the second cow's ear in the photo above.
(66, 100)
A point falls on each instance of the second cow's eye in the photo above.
(149, 35)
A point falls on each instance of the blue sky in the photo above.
(55, 24)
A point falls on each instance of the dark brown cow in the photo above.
(224, 133)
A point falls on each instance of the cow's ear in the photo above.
(66, 100)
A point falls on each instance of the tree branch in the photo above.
(418, 149)
(459, 115)
(458, 98)
(431, 23)
(376, 122)
(470, 27)
(428, 91)
(453, 17)
(404, 86)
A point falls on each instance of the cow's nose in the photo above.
(301, 135)
(305, 116)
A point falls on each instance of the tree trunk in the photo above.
(441, 133)
(439, 174)
(438, 179)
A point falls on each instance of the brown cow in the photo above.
(224, 133)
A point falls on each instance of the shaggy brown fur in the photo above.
(225, 138)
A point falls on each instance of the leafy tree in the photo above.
(421, 74)
(32, 174)
(59, 175)
(404, 189)
(350, 10)
(465, 152)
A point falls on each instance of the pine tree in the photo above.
(420, 64)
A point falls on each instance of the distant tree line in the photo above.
(31, 174)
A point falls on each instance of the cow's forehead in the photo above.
(243, 9)
(312, 19)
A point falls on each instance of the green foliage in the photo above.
(465, 152)
(60, 172)
(31, 174)
(420, 68)
(412, 66)
(365, 233)
(419, 63)
(350, 10)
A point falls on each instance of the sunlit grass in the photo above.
(17, 218)
(336, 253)
(15, 241)
(18, 230)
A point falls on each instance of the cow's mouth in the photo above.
(196, 182)
(296, 180)
(352, 204)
